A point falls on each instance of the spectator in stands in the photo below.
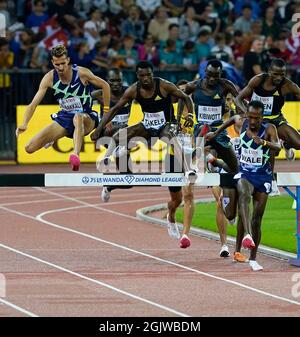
(81, 55)
(237, 45)
(6, 62)
(253, 60)
(100, 56)
(75, 36)
(283, 51)
(40, 58)
(66, 15)
(94, 26)
(149, 7)
(252, 4)
(173, 35)
(243, 23)
(210, 19)
(224, 10)
(37, 17)
(148, 51)
(128, 52)
(189, 56)
(105, 37)
(133, 25)
(256, 29)
(270, 26)
(5, 12)
(169, 57)
(189, 27)
(199, 7)
(159, 26)
(175, 7)
(221, 51)
(26, 45)
(202, 44)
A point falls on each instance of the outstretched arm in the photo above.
(98, 82)
(294, 89)
(232, 120)
(44, 85)
(246, 92)
(272, 141)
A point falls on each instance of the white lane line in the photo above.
(84, 198)
(39, 218)
(16, 307)
(157, 305)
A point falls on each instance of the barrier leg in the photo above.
(296, 262)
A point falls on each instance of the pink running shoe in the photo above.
(74, 161)
(248, 242)
(185, 242)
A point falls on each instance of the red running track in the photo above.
(65, 253)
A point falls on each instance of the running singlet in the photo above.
(73, 97)
(209, 109)
(254, 158)
(157, 109)
(121, 118)
(273, 100)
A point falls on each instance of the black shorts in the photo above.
(276, 121)
(172, 166)
(227, 180)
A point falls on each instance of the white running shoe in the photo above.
(232, 221)
(173, 230)
(255, 266)
(46, 146)
(105, 194)
(275, 190)
(224, 252)
(289, 153)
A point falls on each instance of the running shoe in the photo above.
(105, 194)
(275, 190)
(289, 153)
(224, 252)
(248, 242)
(255, 266)
(184, 242)
(173, 230)
(74, 161)
(238, 257)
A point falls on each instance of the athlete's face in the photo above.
(255, 118)
(61, 64)
(277, 74)
(145, 76)
(213, 75)
(115, 82)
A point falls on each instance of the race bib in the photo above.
(209, 114)
(267, 102)
(71, 104)
(251, 157)
(154, 120)
(235, 142)
(121, 119)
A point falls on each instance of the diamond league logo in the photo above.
(85, 180)
(129, 179)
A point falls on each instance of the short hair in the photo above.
(172, 25)
(277, 62)
(144, 65)
(116, 71)
(59, 51)
(182, 82)
(256, 105)
(215, 63)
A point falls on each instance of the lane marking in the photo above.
(123, 292)
(16, 307)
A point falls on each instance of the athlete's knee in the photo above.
(30, 148)
(188, 197)
(78, 120)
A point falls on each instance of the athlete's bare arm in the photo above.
(247, 92)
(87, 76)
(128, 96)
(97, 94)
(293, 88)
(46, 83)
(189, 89)
(271, 141)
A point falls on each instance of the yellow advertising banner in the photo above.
(60, 151)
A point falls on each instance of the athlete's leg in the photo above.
(173, 204)
(227, 154)
(245, 190)
(220, 216)
(49, 134)
(188, 210)
(289, 135)
(259, 205)
(229, 202)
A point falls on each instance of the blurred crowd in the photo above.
(172, 34)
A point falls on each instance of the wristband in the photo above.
(264, 143)
(105, 108)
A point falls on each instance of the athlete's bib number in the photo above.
(71, 104)
(121, 119)
(236, 141)
(267, 102)
(251, 157)
(154, 120)
(209, 114)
